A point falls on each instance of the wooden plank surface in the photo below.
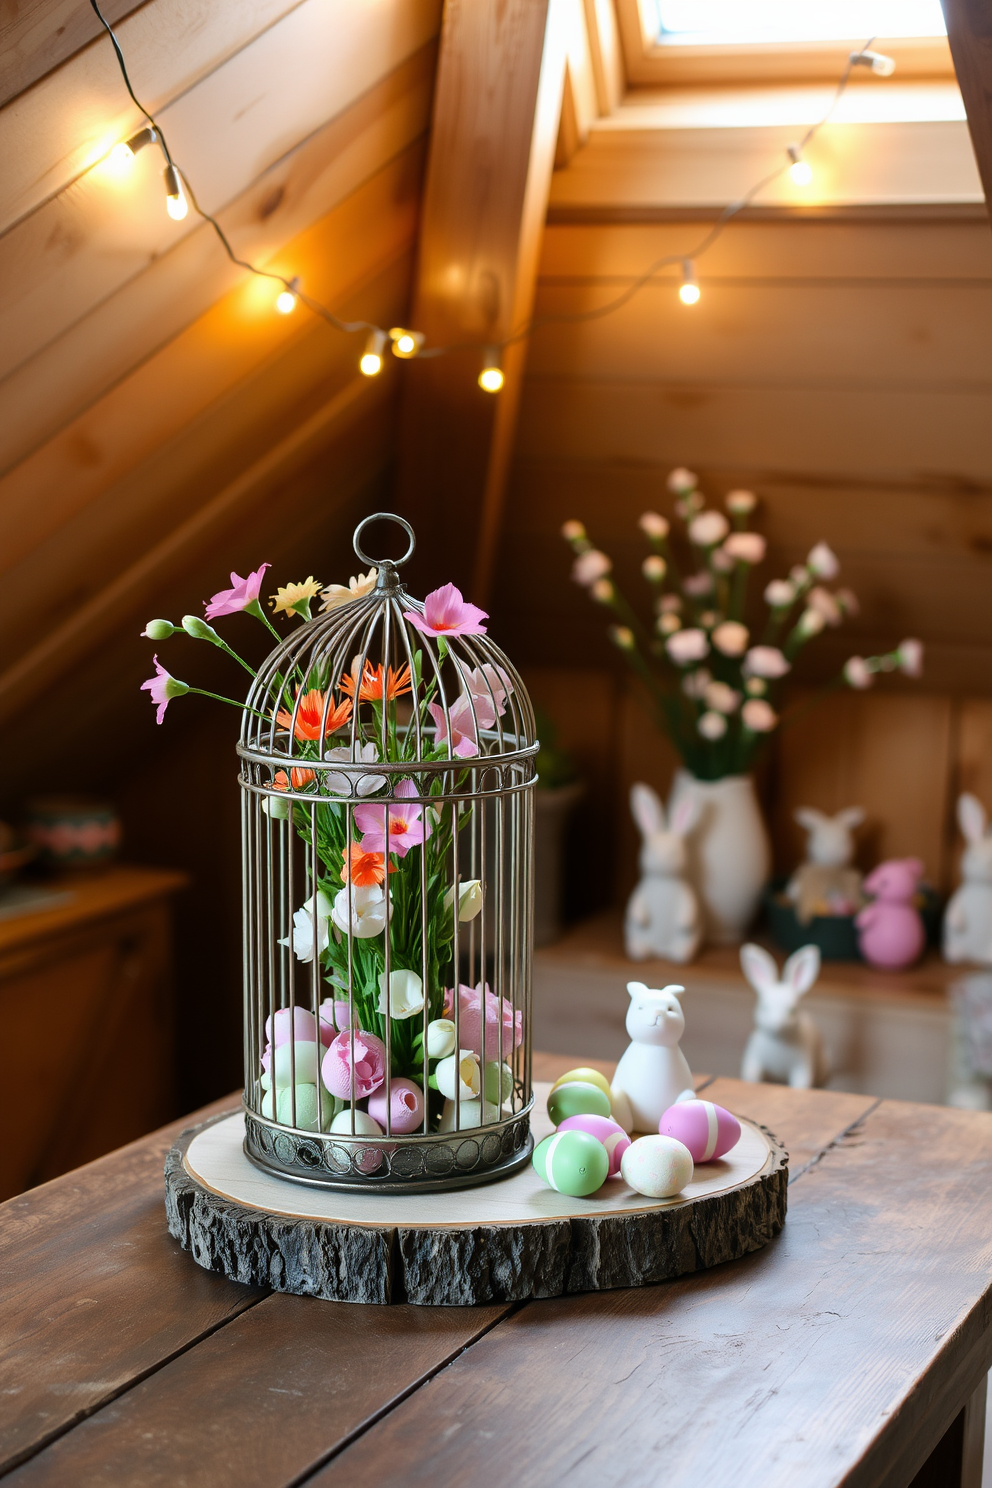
(36, 38)
(91, 897)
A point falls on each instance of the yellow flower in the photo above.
(336, 595)
(295, 599)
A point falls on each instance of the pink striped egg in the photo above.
(605, 1130)
(707, 1130)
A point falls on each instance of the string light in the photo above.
(175, 202)
(800, 170)
(406, 343)
(286, 298)
(371, 362)
(491, 377)
(689, 292)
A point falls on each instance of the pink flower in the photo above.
(687, 645)
(369, 1065)
(470, 1021)
(590, 566)
(823, 561)
(334, 1016)
(709, 528)
(487, 686)
(464, 740)
(825, 603)
(699, 584)
(731, 638)
(163, 689)
(857, 673)
(759, 716)
(242, 594)
(446, 613)
(746, 547)
(765, 661)
(392, 828)
(911, 657)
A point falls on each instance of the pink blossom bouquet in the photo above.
(713, 682)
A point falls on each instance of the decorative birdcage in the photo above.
(388, 771)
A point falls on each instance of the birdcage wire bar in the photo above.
(451, 723)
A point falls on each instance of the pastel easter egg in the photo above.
(605, 1130)
(587, 1077)
(577, 1098)
(658, 1167)
(366, 1159)
(498, 1082)
(306, 1107)
(295, 1063)
(292, 1023)
(470, 1113)
(707, 1130)
(406, 1106)
(572, 1162)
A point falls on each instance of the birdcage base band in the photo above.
(240, 1221)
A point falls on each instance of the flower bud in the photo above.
(159, 630)
(654, 568)
(712, 725)
(573, 531)
(622, 636)
(653, 525)
(440, 1038)
(741, 503)
(200, 630)
(602, 591)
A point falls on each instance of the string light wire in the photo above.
(291, 287)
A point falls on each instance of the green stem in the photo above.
(242, 707)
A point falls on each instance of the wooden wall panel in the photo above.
(36, 38)
(973, 763)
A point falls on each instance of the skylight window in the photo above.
(733, 23)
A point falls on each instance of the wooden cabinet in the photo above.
(86, 1014)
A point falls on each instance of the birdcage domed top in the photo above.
(382, 677)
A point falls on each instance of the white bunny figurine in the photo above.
(968, 917)
(826, 874)
(786, 1044)
(652, 1074)
(663, 916)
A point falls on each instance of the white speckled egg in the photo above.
(658, 1167)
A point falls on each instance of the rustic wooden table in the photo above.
(852, 1350)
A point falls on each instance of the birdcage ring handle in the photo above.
(384, 517)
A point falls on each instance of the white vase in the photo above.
(729, 854)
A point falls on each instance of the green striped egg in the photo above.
(572, 1162)
(577, 1098)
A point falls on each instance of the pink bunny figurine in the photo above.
(890, 931)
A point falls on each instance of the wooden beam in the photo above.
(36, 38)
(970, 35)
(496, 111)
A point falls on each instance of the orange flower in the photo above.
(311, 712)
(364, 868)
(397, 683)
(300, 778)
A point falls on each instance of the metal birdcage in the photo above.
(388, 773)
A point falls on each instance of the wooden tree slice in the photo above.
(502, 1242)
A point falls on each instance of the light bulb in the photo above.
(371, 362)
(879, 63)
(175, 202)
(800, 170)
(491, 377)
(286, 299)
(688, 289)
(121, 157)
(406, 343)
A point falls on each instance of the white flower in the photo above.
(440, 1038)
(810, 623)
(622, 636)
(653, 525)
(681, 480)
(857, 673)
(746, 547)
(721, 697)
(405, 996)
(694, 684)
(722, 561)
(368, 910)
(602, 591)
(758, 716)
(823, 561)
(741, 503)
(698, 584)
(469, 899)
(654, 568)
(668, 624)
(468, 1075)
(336, 595)
(317, 909)
(573, 531)
(911, 657)
(779, 594)
(825, 604)
(709, 528)
(712, 725)
(336, 783)
(276, 807)
(487, 685)
(590, 566)
(731, 638)
(686, 646)
(765, 661)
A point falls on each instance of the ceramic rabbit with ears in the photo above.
(663, 916)
(785, 1045)
(826, 882)
(968, 917)
(652, 1074)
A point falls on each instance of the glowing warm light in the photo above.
(286, 299)
(800, 170)
(371, 362)
(406, 343)
(120, 158)
(175, 201)
(688, 289)
(491, 377)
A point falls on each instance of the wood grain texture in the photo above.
(971, 50)
(761, 1351)
(38, 37)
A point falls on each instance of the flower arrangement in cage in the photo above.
(387, 752)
